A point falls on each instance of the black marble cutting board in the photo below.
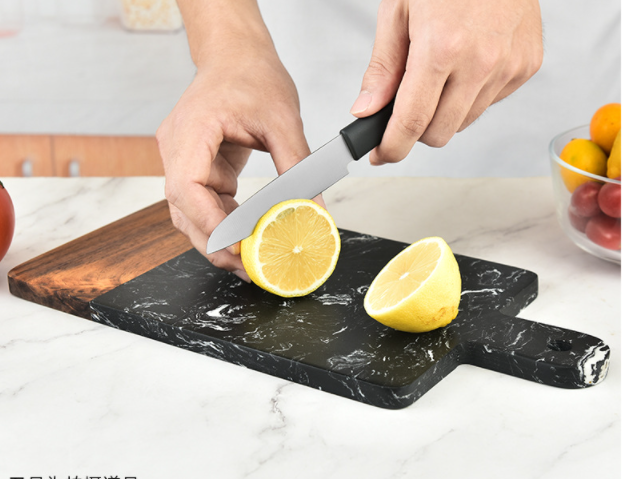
(327, 341)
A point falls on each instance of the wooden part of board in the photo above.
(70, 276)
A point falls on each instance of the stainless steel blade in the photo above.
(307, 179)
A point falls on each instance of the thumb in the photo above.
(287, 144)
(388, 61)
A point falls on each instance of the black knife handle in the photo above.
(365, 134)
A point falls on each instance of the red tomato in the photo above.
(584, 200)
(578, 222)
(604, 231)
(7, 221)
(609, 200)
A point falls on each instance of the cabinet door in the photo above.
(26, 155)
(106, 156)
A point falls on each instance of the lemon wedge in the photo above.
(293, 249)
(418, 290)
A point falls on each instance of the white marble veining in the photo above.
(78, 398)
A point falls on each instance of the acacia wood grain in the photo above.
(68, 277)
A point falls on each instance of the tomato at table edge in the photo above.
(7, 221)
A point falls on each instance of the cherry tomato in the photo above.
(578, 222)
(609, 200)
(604, 231)
(584, 200)
(7, 221)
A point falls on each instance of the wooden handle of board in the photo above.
(68, 277)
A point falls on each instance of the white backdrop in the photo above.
(102, 80)
(326, 44)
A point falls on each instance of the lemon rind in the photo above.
(263, 282)
(443, 247)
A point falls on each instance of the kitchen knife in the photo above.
(307, 179)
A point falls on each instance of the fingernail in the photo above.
(234, 248)
(243, 275)
(362, 103)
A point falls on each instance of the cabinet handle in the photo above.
(74, 168)
(27, 168)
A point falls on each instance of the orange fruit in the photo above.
(605, 126)
(584, 155)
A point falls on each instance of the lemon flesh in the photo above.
(293, 249)
(418, 290)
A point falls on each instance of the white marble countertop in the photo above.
(79, 398)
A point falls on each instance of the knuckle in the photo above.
(414, 124)
(378, 68)
(488, 60)
(171, 192)
(445, 54)
(535, 62)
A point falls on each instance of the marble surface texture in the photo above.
(80, 398)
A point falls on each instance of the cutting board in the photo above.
(324, 340)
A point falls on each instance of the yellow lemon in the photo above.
(293, 249)
(584, 155)
(418, 290)
(613, 163)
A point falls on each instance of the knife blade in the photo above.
(307, 179)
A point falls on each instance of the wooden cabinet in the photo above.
(26, 155)
(72, 155)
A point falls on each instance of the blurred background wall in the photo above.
(71, 67)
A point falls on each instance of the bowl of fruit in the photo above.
(585, 164)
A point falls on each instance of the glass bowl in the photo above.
(574, 225)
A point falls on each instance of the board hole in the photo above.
(560, 345)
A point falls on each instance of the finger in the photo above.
(221, 259)
(320, 201)
(499, 86)
(388, 61)
(506, 79)
(415, 104)
(236, 155)
(286, 141)
(459, 94)
(483, 100)
(223, 177)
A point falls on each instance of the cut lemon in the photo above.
(293, 249)
(418, 290)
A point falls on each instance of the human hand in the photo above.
(445, 62)
(242, 98)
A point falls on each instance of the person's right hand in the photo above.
(242, 98)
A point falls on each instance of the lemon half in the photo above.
(418, 290)
(293, 249)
